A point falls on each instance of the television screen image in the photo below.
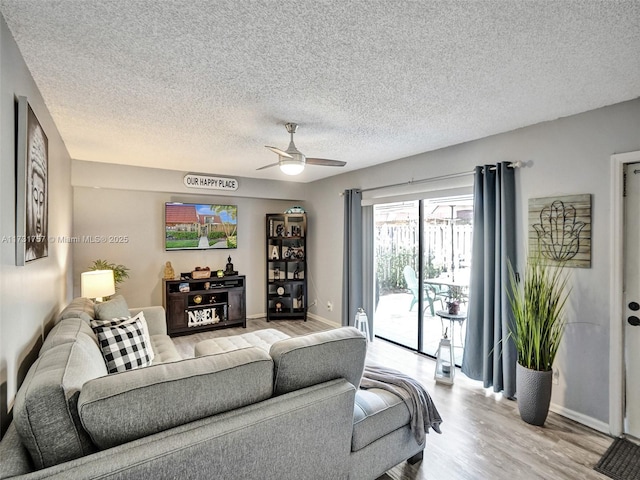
(195, 226)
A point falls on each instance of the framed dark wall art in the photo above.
(32, 202)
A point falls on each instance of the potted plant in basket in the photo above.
(538, 309)
(454, 297)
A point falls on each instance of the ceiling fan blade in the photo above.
(278, 151)
(325, 162)
(269, 166)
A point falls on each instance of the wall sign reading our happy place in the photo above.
(194, 180)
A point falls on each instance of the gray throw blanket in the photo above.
(424, 414)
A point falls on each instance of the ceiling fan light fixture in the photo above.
(289, 167)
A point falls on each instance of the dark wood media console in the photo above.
(194, 305)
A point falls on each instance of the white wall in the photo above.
(566, 156)
(32, 295)
(129, 201)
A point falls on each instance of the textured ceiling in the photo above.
(203, 85)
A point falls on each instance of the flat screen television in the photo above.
(196, 226)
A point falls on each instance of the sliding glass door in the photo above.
(422, 257)
(396, 259)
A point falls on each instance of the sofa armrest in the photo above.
(14, 455)
(155, 317)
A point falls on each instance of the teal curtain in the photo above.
(489, 353)
(352, 298)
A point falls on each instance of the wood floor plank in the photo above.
(483, 436)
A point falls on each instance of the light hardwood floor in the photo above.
(482, 437)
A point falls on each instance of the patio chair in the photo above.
(429, 296)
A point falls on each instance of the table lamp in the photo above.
(97, 284)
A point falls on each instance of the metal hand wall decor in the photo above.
(558, 232)
(560, 229)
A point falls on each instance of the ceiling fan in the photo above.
(292, 161)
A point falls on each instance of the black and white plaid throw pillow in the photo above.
(123, 346)
(122, 321)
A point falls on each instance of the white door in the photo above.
(631, 308)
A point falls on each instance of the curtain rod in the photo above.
(516, 164)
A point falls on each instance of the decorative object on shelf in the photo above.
(275, 255)
(220, 273)
(280, 290)
(276, 273)
(295, 209)
(445, 363)
(279, 230)
(292, 253)
(538, 310)
(229, 269)
(120, 272)
(278, 306)
(184, 287)
(561, 226)
(207, 285)
(197, 299)
(97, 284)
(201, 272)
(169, 272)
(296, 273)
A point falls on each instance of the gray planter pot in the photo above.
(533, 389)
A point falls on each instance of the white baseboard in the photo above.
(323, 320)
(310, 315)
(590, 422)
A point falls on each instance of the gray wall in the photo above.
(30, 296)
(569, 155)
(566, 156)
(112, 200)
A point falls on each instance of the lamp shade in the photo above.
(97, 284)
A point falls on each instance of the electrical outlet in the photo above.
(556, 376)
(330, 306)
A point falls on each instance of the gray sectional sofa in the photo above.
(262, 407)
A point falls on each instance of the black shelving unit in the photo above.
(286, 254)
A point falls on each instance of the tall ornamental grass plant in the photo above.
(538, 308)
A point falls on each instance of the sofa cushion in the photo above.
(125, 320)
(123, 345)
(79, 307)
(261, 338)
(318, 357)
(164, 349)
(123, 407)
(45, 412)
(69, 330)
(116, 307)
(376, 413)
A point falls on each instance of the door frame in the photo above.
(616, 327)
